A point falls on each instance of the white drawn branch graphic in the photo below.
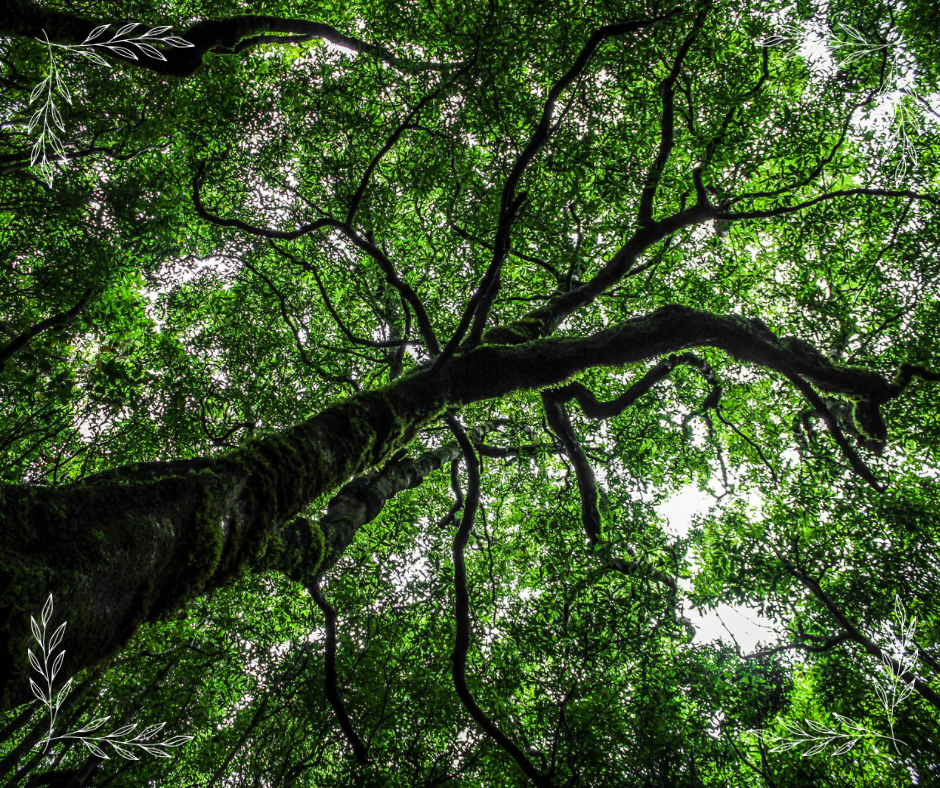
(847, 45)
(118, 739)
(890, 688)
(48, 118)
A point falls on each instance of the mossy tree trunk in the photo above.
(136, 543)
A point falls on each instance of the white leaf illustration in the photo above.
(95, 33)
(47, 611)
(125, 29)
(179, 43)
(157, 31)
(37, 91)
(176, 741)
(63, 91)
(32, 124)
(123, 51)
(150, 732)
(95, 58)
(34, 661)
(93, 725)
(56, 665)
(156, 54)
(95, 749)
(37, 691)
(787, 745)
(817, 749)
(845, 747)
(63, 693)
(125, 753)
(56, 117)
(155, 751)
(122, 731)
(57, 636)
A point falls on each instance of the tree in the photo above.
(584, 259)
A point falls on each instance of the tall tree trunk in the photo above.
(133, 544)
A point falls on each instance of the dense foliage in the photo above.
(272, 223)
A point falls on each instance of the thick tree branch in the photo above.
(233, 35)
(200, 530)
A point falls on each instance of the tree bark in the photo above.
(134, 544)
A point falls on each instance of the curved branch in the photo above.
(332, 680)
(462, 614)
(391, 275)
(282, 302)
(667, 122)
(332, 310)
(826, 644)
(785, 209)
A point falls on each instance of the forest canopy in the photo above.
(349, 353)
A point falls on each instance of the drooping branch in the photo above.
(605, 410)
(282, 302)
(462, 615)
(560, 424)
(332, 680)
(782, 210)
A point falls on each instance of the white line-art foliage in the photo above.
(48, 118)
(48, 666)
(890, 688)
(847, 45)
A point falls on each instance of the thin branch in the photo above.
(332, 310)
(667, 122)
(59, 319)
(480, 302)
(282, 302)
(462, 614)
(391, 276)
(331, 682)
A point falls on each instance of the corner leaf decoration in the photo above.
(890, 688)
(847, 45)
(48, 666)
(48, 118)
